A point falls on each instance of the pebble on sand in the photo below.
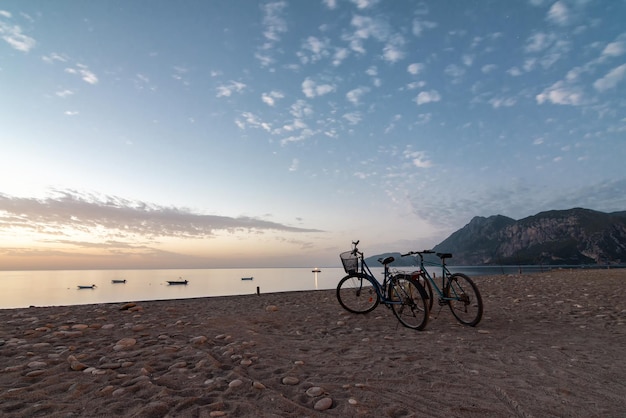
(323, 404)
(290, 380)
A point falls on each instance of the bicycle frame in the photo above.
(445, 274)
(381, 288)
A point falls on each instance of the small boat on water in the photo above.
(177, 282)
(247, 278)
(118, 281)
(89, 286)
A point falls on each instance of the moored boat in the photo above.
(89, 286)
(118, 281)
(247, 278)
(177, 282)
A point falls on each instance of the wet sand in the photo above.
(549, 345)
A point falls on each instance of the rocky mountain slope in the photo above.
(574, 236)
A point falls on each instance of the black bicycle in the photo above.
(359, 292)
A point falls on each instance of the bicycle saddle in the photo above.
(443, 256)
(386, 260)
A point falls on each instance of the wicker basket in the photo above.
(350, 262)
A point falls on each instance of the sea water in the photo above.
(60, 287)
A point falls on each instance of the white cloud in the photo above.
(486, 69)
(311, 89)
(611, 79)
(539, 41)
(514, 71)
(331, 4)
(64, 93)
(301, 109)
(418, 158)
(560, 93)
(71, 112)
(419, 26)
(271, 97)
(415, 68)
(364, 4)
(353, 117)
(53, 57)
(614, 49)
(392, 51)
(354, 96)
(340, 55)
(295, 164)
(251, 120)
(559, 13)
(314, 49)
(12, 34)
(366, 28)
(454, 71)
(273, 21)
(226, 90)
(84, 72)
(467, 59)
(502, 102)
(427, 97)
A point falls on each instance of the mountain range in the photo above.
(557, 237)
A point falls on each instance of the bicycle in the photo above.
(457, 290)
(360, 292)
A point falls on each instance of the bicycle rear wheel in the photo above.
(464, 300)
(357, 293)
(412, 311)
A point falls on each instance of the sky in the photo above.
(240, 133)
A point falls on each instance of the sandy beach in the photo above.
(549, 345)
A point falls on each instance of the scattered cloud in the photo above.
(13, 35)
(364, 4)
(311, 89)
(425, 97)
(51, 58)
(64, 93)
(418, 159)
(226, 90)
(273, 22)
(415, 68)
(83, 72)
(271, 97)
(559, 13)
(354, 96)
(420, 25)
(611, 79)
(295, 164)
(561, 93)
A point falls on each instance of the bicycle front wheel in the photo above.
(464, 299)
(357, 293)
(409, 302)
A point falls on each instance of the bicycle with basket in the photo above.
(360, 292)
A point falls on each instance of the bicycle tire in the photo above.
(465, 301)
(413, 312)
(357, 293)
(428, 288)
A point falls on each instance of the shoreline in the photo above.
(543, 348)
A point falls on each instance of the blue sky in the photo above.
(246, 133)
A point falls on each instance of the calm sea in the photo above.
(60, 287)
